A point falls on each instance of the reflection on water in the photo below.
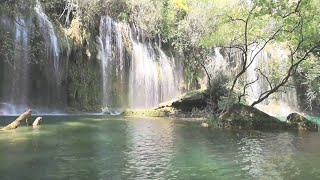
(265, 159)
(112, 148)
(151, 148)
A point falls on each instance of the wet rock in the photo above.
(240, 116)
(187, 102)
(37, 122)
(297, 121)
(108, 111)
(206, 125)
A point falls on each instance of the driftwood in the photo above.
(26, 116)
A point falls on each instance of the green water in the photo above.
(78, 147)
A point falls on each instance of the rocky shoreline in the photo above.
(238, 116)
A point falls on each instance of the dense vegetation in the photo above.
(193, 28)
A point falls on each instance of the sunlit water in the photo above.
(97, 147)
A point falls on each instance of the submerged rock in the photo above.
(297, 121)
(247, 117)
(108, 111)
(206, 125)
(37, 122)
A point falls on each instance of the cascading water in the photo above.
(285, 99)
(47, 30)
(29, 80)
(154, 77)
(170, 77)
(105, 56)
(53, 95)
(252, 75)
(143, 80)
(19, 87)
(280, 103)
(113, 62)
(21, 60)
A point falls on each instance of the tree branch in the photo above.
(292, 68)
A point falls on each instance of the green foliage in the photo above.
(6, 45)
(17, 7)
(213, 121)
(83, 91)
(309, 77)
(219, 87)
(191, 27)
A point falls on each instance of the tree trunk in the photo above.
(26, 116)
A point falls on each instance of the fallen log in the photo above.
(26, 116)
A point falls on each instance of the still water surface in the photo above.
(96, 147)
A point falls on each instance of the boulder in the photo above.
(206, 125)
(297, 121)
(36, 123)
(187, 102)
(109, 111)
(241, 116)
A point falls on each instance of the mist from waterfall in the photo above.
(48, 32)
(141, 78)
(29, 80)
(154, 77)
(282, 102)
(113, 63)
(21, 79)
(16, 73)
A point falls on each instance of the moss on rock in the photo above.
(241, 116)
(188, 101)
(297, 121)
(146, 112)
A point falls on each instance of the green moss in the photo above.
(213, 121)
(247, 117)
(84, 89)
(146, 113)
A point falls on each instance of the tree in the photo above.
(253, 25)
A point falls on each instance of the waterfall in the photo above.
(20, 81)
(154, 77)
(141, 80)
(113, 62)
(15, 73)
(21, 59)
(252, 74)
(29, 79)
(105, 56)
(53, 94)
(49, 35)
(267, 61)
(144, 81)
(285, 100)
(169, 77)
